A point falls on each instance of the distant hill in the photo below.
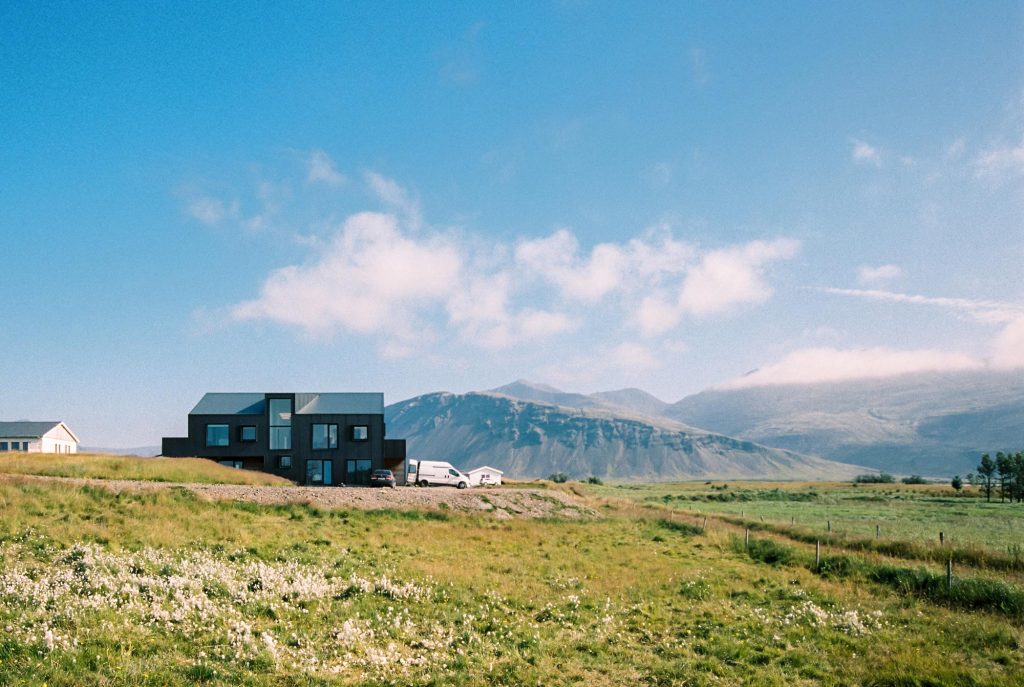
(144, 451)
(535, 438)
(632, 401)
(929, 423)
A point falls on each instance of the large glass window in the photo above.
(360, 433)
(319, 472)
(280, 424)
(217, 435)
(325, 436)
(236, 464)
(3, 445)
(247, 433)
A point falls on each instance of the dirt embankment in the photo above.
(500, 502)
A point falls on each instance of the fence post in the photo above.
(705, 525)
(830, 527)
(817, 556)
(746, 538)
(949, 575)
(878, 531)
(942, 538)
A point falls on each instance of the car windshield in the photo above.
(382, 473)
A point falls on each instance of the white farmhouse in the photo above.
(485, 476)
(37, 437)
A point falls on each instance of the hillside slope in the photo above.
(932, 424)
(530, 439)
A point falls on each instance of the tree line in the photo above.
(1003, 475)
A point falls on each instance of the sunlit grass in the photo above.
(626, 599)
(103, 466)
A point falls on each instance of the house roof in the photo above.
(305, 403)
(485, 467)
(26, 429)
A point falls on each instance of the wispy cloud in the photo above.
(320, 168)
(1000, 163)
(874, 276)
(699, 67)
(984, 310)
(212, 211)
(818, 365)
(864, 153)
(393, 195)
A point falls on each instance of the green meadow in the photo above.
(163, 588)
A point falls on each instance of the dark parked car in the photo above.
(382, 478)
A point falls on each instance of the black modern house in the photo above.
(323, 439)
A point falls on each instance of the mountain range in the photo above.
(933, 424)
(607, 436)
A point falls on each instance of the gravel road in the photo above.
(500, 502)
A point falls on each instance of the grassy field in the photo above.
(910, 513)
(167, 589)
(102, 466)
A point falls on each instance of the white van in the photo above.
(431, 473)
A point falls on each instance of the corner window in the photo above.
(284, 462)
(280, 424)
(247, 433)
(3, 445)
(360, 433)
(217, 435)
(325, 437)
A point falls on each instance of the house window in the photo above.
(236, 464)
(325, 436)
(24, 446)
(360, 433)
(217, 435)
(3, 445)
(319, 471)
(284, 462)
(247, 433)
(280, 424)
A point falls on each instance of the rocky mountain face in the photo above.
(929, 424)
(580, 435)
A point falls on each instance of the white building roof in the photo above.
(486, 468)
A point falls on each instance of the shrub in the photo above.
(914, 479)
(880, 478)
(594, 480)
(559, 478)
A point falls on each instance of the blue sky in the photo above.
(412, 197)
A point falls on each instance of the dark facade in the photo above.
(325, 439)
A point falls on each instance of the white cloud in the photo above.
(1008, 348)
(386, 274)
(815, 365)
(369, 278)
(604, 367)
(321, 169)
(391, 193)
(1000, 163)
(730, 277)
(556, 259)
(211, 211)
(865, 153)
(873, 276)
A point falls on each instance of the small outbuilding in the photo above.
(37, 437)
(485, 476)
